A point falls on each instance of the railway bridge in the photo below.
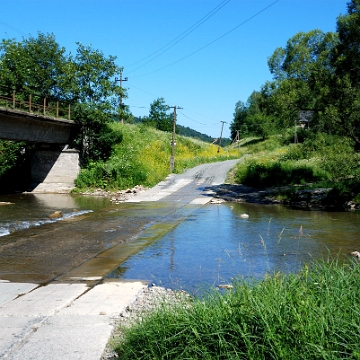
(54, 166)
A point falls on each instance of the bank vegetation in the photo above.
(309, 315)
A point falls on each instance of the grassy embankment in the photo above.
(311, 315)
(143, 158)
(320, 161)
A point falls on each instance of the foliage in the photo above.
(33, 66)
(268, 173)
(143, 158)
(311, 315)
(14, 156)
(188, 132)
(159, 118)
(40, 67)
(249, 120)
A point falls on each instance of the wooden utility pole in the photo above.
(222, 127)
(172, 157)
(237, 138)
(121, 80)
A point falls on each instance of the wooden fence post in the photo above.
(44, 105)
(30, 103)
(57, 109)
(14, 99)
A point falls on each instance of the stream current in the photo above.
(173, 245)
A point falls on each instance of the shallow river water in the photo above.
(185, 247)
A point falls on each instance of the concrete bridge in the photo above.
(54, 166)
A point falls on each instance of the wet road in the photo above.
(89, 246)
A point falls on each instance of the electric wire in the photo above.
(181, 36)
(212, 42)
(13, 28)
(198, 121)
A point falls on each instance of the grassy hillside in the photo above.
(143, 158)
(320, 161)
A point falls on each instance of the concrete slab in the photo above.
(62, 321)
(10, 291)
(109, 299)
(67, 337)
(45, 301)
(161, 190)
(14, 330)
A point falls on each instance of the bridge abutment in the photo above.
(54, 169)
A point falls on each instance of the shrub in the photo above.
(265, 173)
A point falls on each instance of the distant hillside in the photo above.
(186, 131)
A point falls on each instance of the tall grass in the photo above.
(143, 158)
(310, 315)
(320, 159)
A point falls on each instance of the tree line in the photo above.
(315, 73)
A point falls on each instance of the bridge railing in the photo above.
(46, 108)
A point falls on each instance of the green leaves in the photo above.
(41, 67)
(159, 116)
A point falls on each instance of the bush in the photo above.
(264, 173)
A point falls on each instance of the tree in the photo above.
(32, 66)
(249, 119)
(90, 85)
(159, 116)
(41, 67)
(301, 72)
(239, 121)
(342, 113)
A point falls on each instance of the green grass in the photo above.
(143, 158)
(310, 315)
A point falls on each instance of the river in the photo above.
(180, 246)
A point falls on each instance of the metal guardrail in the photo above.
(47, 108)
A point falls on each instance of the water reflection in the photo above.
(215, 244)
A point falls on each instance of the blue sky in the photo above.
(221, 60)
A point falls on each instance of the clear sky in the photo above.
(201, 55)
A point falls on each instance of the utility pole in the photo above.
(172, 157)
(121, 80)
(295, 135)
(237, 138)
(222, 127)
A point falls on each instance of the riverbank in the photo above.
(283, 316)
(147, 300)
(297, 197)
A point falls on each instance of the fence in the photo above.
(46, 107)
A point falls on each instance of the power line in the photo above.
(13, 28)
(198, 121)
(181, 36)
(212, 42)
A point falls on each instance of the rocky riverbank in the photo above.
(119, 196)
(298, 197)
(295, 197)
